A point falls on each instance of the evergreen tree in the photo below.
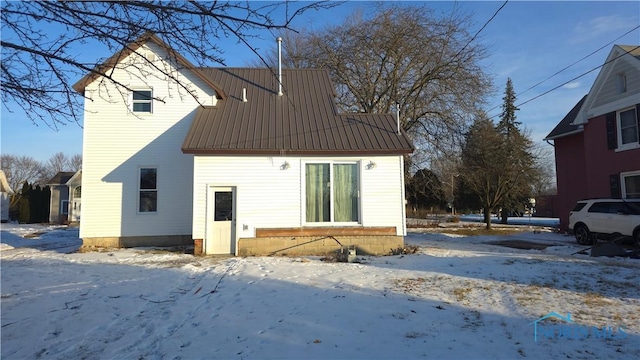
(517, 155)
(24, 214)
(508, 124)
(483, 173)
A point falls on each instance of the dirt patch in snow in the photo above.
(519, 244)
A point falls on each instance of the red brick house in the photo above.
(597, 144)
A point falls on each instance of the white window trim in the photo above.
(139, 190)
(131, 101)
(303, 199)
(623, 185)
(629, 146)
(64, 210)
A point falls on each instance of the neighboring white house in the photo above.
(5, 194)
(234, 165)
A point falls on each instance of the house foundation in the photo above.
(137, 241)
(320, 241)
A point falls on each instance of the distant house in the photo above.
(597, 144)
(5, 197)
(249, 166)
(64, 204)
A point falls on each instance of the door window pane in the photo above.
(345, 192)
(224, 206)
(318, 192)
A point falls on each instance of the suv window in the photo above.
(579, 206)
(599, 207)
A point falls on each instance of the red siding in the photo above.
(584, 164)
(571, 174)
(602, 161)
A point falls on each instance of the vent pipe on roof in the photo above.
(244, 94)
(279, 40)
(398, 117)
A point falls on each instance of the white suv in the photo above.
(607, 219)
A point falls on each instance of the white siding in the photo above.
(609, 91)
(117, 143)
(270, 197)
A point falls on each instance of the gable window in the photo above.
(631, 185)
(332, 192)
(148, 190)
(627, 128)
(622, 83)
(141, 101)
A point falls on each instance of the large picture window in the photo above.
(148, 190)
(332, 192)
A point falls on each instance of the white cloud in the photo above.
(602, 25)
(572, 85)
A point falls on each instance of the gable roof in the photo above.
(61, 178)
(302, 121)
(97, 72)
(566, 127)
(630, 53)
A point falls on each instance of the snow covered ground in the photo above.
(457, 297)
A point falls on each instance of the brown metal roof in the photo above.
(303, 121)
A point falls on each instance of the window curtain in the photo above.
(318, 195)
(345, 192)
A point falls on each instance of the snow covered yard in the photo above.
(457, 297)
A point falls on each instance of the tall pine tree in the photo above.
(518, 161)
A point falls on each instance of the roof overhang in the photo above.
(100, 70)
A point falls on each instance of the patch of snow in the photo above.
(456, 297)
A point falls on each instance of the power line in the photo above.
(575, 78)
(482, 28)
(575, 62)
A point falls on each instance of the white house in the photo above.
(5, 197)
(235, 160)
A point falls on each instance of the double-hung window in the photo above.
(332, 192)
(148, 190)
(142, 101)
(631, 185)
(627, 128)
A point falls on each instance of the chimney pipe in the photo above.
(279, 40)
(398, 117)
(244, 94)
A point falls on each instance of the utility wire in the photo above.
(593, 52)
(575, 78)
(482, 28)
(575, 62)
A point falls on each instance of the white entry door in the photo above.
(220, 221)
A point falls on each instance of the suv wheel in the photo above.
(583, 235)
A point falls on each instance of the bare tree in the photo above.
(42, 42)
(19, 169)
(405, 55)
(56, 163)
(75, 162)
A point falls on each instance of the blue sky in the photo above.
(526, 41)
